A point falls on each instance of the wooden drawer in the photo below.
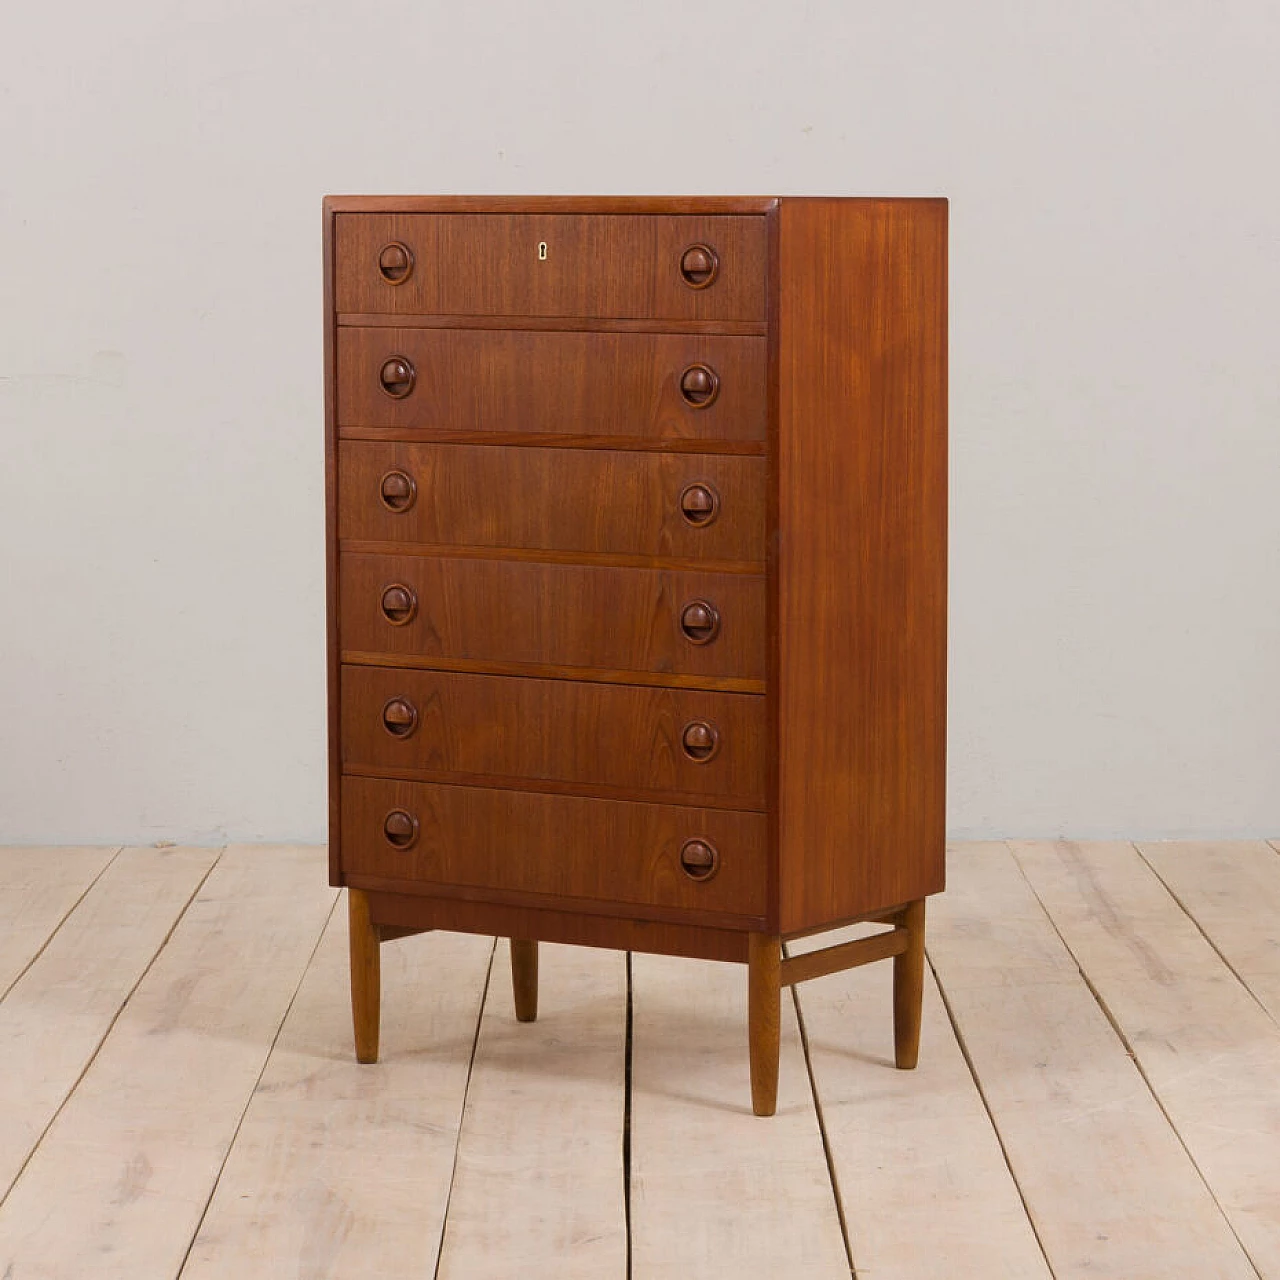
(595, 500)
(517, 613)
(513, 730)
(517, 380)
(523, 842)
(595, 265)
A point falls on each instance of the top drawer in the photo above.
(608, 266)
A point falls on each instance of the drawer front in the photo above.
(616, 266)
(692, 742)
(688, 505)
(558, 615)
(409, 834)
(664, 386)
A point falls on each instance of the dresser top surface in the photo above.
(584, 204)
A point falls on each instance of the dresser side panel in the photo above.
(333, 656)
(861, 473)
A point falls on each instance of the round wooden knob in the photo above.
(699, 859)
(700, 621)
(699, 266)
(398, 491)
(699, 504)
(395, 262)
(397, 376)
(399, 717)
(700, 740)
(400, 828)
(399, 604)
(699, 385)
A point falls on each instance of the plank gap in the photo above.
(462, 1110)
(986, 1106)
(822, 1124)
(248, 1102)
(115, 1017)
(17, 977)
(1204, 933)
(1133, 1057)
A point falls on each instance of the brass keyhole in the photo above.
(542, 251)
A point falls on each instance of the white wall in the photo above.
(1115, 342)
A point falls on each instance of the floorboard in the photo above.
(38, 887)
(924, 1184)
(56, 1015)
(1109, 1187)
(1209, 1051)
(539, 1189)
(718, 1193)
(1232, 891)
(340, 1169)
(118, 1184)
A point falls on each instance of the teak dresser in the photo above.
(637, 516)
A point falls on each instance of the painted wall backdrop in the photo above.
(1115, 656)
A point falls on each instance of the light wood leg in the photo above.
(366, 976)
(524, 978)
(764, 1012)
(908, 989)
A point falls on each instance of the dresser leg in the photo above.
(908, 989)
(524, 978)
(764, 1010)
(366, 976)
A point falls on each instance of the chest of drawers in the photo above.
(637, 581)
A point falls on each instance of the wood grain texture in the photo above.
(332, 502)
(365, 954)
(56, 1015)
(38, 886)
(1108, 1184)
(1210, 1053)
(118, 1185)
(716, 1192)
(340, 1170)
(503, 730)
(596, 264)
(604, 384)
(559, 440)
(631, 205)
(924, 1185)
(764, 1013)
(555, 615)
(573, 927)
(539, 1188)
(555, 324)
(524, 978)
(515, 841)
(862, 508)
(573, 500)
(1232, 890)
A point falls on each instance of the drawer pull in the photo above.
(399, 604)
(699, 504)
(699, 385)
(395, 262)
(398, 491)
(700, 621)
(699, 266)
(699, 859)
(700, 740)
(397, 376)
(400, 717)
(400, 828)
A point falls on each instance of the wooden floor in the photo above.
(1098, 1092)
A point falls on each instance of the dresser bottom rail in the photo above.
(403, 912)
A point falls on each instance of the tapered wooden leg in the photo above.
(764, 1011)
(366, 976)
(524, 978)
(908, 989)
